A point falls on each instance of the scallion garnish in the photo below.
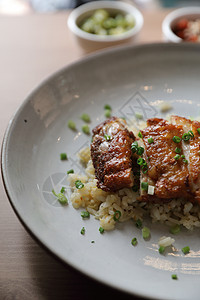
(78, 184)
(86, 129)
(144, 186)
(175, 229)
(101, 230)
(140, 161)
(71, 171)
(186, 249)
(107, 106)
(176, 139)
(198, 130)
(145, 232)
(61, 197)
(186, 137)
(177, 156)
(161, 249)
(82, 230)
(140, 135)
(107, 113)
(178, 150)
(71, 125)
(139, 116)
(185, 161)
(150, 140)
(134, 241)
(62, 190)
(85, 118)
(174, 276)
(117, 215)
(140, 150)
(182, 156)
(138, 223)
(190, 132)
(85, 214)
(63, 156)
(107, 137)
(134, 146)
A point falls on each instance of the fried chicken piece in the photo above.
(191, 150)
(111, 155)
(169, 176)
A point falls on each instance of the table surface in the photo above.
(33, 47)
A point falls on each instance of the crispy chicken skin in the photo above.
(111, 155)
(168, 175)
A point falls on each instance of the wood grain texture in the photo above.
(32, 47)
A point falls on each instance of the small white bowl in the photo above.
(190, 13)
(91, 42)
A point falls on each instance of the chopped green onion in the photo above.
(144, 186)
(161, 249)
(134, 241)
(140, 135)
(138, 223)
(117, 215)
(134, 146)
(101, 230)
(178, 150)
(78, 184)
(198, 130)
(135, 188)
(190, 132)
(182, 156)
(85, 118)
(107, 137)
(71, 171)
(107, 113)
(83, 230)
(150, 140)
(185, 161)
(61, 197)
(176, 139)
(186, 249)
(186, 137)
(107, 106)
(85, 214)
(139, 116)
(62, 190)
(174, 276)
(71, 125)
(86, 129)
(145, 233)
(175, 229)
(63, 156)
(145, 168)
(140, 150)
(140, 161)
(177, 156)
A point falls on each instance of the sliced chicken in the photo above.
(168, 175)
(191, 150)
(112, 156)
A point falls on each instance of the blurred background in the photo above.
(18, 7)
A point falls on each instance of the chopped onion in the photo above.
(151, 189)
(166, 241)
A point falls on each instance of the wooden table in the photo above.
(32, 47)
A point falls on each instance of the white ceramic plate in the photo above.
(132, 79)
